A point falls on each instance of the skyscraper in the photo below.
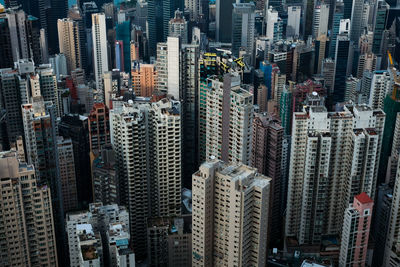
(356, 20)
(178, 27)
(229, 115)
(355, 232)
(105, 177)
(222, 191)
(342, 68)
(320, 20)
(39, 119)
(381, 86)
(274, 25)
(67, 174)
(223, 20)
(147, 142)
(99, 128)
(75, 14)
(174, 67)
(293, 24)
(243, 29)
(27, 220)
(190, 109)
(69, 42)
(76, 128)
(392, 258)
(382, 11)
(337, 179)
(144, 79)
(100, 57)
(11, 102)
(266, 156)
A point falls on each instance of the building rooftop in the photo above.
(364, 198)
(89, 252)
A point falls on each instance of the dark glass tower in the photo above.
(382, 12)
(224, 20)
(337, 16)
(342, 59)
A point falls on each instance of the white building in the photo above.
(118, 240)
(147, 142)
(174, 64)
(273, 25)
(320, 20)
(381, 86)
(230, 215)
(168, 66)
(100, 56)
(98, 219)
(90, 250)
(334, 156)
(293, 24)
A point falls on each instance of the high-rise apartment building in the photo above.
(147, 142)
(355, 232)
(105, 178)
(27, 223)
(170, 241)
(48, 86)
(266, 156)
(41, 149)
(190, 108)
(230, 215)
(76, 15)
(76, 128)
(334, 156)
(168, 67)
(391, 107)
(366, 61)
(178, 27)
(69, 42)
(380, 223)
(381, 86)
(67, 173)
(99, 128)
(144, 79)
(229, 114)
(174, 67)
(243, 29)
(392, 247)
(10, 100)
(100, 54)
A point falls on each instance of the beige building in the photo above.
(229, 116)
(144, 77)
(230, 215)
(69, 42)
(26, 222)
(146, 138)
(334, 156)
